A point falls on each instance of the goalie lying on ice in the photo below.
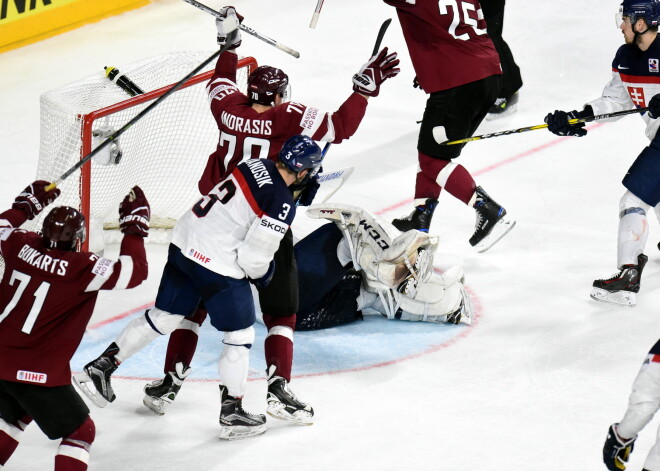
(360, 262)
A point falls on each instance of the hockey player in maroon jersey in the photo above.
(635, 82)
(458, 66)
(47, 295)
(256, 125)
(227, 240)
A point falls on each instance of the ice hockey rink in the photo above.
(543, 371)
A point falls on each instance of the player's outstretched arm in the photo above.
(28, 204)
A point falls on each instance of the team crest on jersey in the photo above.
(653, 65)
(637, 95)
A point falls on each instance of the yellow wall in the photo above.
(26, 21)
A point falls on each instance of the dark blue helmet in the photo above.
(299, 153)
(636, 9)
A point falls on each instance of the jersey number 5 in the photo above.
(461, 19)
(39, 298)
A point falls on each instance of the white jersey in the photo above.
(643, 403)
(236, 229)
(635, 80)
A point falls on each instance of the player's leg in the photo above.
(231, 309)
(279, 304)
(159, 394)
(61, 414)
(13, 421)
(177, 296)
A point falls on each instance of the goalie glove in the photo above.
(380, 67)
(617, 450)
(111, 154)
(34, 198)
(134, 213)
(229, 22)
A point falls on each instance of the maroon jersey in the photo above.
(246, 133)
(447, 42)
(47, 298)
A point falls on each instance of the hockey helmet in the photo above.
(636, 9)
(265, 83)
(301, 153)
(63, 228)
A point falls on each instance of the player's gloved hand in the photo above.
(558, 122)
(228, 23)
(35, 198)
(654, 106)
(416, 83)
(308, 193)
(380, 67)
(265, 279)
(134, 213)
(617, 450)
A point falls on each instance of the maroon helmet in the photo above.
(63, 228)
(265, 83)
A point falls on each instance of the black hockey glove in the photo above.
(306, 196)
(265, 280)
(617, 450)
(416, 83)
(558, 122)
(35, 198)
(654, 106)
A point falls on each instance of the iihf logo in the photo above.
(653, 65)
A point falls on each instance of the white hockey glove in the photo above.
(230, 22)
(377, 248)
(111, 154)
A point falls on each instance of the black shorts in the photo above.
(280, 297)
(58, 411)
(459, 110)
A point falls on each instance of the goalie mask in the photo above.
(63, 229)
(265, 83)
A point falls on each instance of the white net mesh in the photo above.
(164, 152)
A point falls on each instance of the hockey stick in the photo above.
(438, 134)
(381, 34)
(315, 16)
(342, 175)
(141, 114)
(247, 29)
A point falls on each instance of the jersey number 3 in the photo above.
(461, 11)
(39, 298)
(203, 206)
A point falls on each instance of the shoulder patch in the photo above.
(5, 232)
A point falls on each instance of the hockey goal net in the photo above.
(164, 152)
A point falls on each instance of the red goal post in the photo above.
(164, 152)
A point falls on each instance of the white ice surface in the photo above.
(545, 369)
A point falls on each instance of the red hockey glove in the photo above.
(134, 213)
(35, 198)
(380, 67)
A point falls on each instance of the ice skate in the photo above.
(503, 107)
(159, 394)
(236, 423)
(419, 219)
(94, 379)
(622, 287)
(283, 404)
(491, 224)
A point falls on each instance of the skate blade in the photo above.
(618, 298)
(239, 432)
(156, 404)
(500, 229)
(83, 382)
(300, 417)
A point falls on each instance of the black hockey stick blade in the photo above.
(140, 115)
(381, 34)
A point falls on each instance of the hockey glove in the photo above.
(617, 450)
(266, 278)
(306, 196)
(654, 107)
(134, 213)
(558, 122)
(228, 23)
(380, 67)
(416, 83)
(35, 198)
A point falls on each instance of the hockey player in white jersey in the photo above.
(643, 403)
(224, 242)
(635, 82)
